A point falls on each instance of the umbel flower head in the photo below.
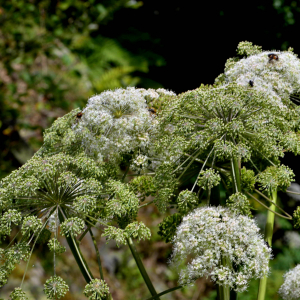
(60, 191)
(221, 245)
(276, 73)
(112, 123)
(290, 289)
(97, 289)
(213, 125)
(55, 288)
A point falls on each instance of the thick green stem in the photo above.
(76, 251)
(224, 291)
(236, 178)
(97, 253)
(268, 238)
(142, 269)
(236, 175)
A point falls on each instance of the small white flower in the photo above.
(290, 289)
(141, 162)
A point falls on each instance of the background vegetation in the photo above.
(55, 54)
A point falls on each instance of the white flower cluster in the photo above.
(277, 74)
(117, 121)
(222, 245)
(141, 162)
(290, 289)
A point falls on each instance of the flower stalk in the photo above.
(268, 238)
(142, 269)
(87, 274)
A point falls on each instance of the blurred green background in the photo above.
(55, 54)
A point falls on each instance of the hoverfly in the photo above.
(152, 111)
(272, 56)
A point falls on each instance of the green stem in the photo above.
(97, 253)
(268, 238)
(166, 292)
(236, 178)
(76, 250)
(222, 170)
(142, 268)
(146, 204)
(84, 233)
(225, 290)
(268, 208)
(257, 191)
(44, 225)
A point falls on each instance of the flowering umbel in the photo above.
(290, 289)
(222, 245)
(213, 143)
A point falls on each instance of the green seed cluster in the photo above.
(72, 226)
(186, 201)
(31, 224)
(18, 294)
(136, 230)
(55, 288)
(55, 246)
(239, 204)
(97, 289)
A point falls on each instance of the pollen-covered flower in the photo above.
(290, 289)
(220, 244)
(209, 179)
(31, 224)
(9, 217)
(239, 204)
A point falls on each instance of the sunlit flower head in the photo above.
(290, 289)
(221, 245)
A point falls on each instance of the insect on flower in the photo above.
(79, 115)
(251, 83)
(272, 56)
(152, 111)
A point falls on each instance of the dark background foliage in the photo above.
(55, 54)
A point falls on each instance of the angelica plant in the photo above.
(181, 150)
